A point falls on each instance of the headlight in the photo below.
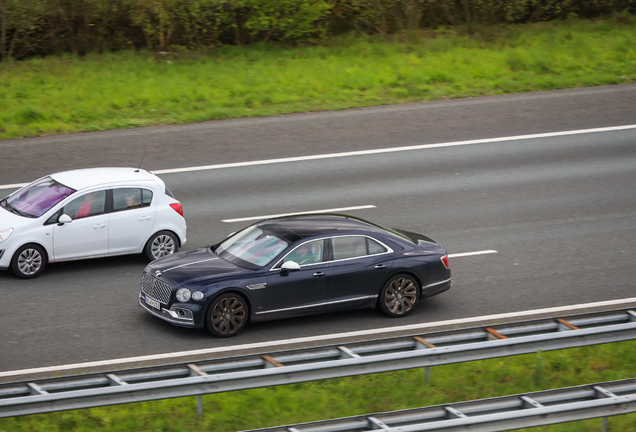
(4, 234)
(183, 295)
(197, 295)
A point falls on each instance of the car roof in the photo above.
(294, 228)
(89, 177)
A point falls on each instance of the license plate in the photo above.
(152, 302)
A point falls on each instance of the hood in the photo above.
(12, 220)
(185, 268)
(418, 238)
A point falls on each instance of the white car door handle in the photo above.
(99, 226)
(145, 218)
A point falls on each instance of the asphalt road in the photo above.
(560, 211)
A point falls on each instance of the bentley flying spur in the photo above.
(294, 266)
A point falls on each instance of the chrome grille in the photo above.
(155, 288)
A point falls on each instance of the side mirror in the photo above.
(289, 266)
(64, 219)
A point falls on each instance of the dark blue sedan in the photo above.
(293, 266)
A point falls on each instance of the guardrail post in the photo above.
(605, 424)
(196, 371)
(421, 343)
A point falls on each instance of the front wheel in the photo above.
(399, 296)
(28, 261)
(161, 244)
(227, 315)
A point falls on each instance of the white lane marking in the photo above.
(377, 151)
(228, 349)
(464, 254)
(13, 186)
(395, 149)
(331, 210)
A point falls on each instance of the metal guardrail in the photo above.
(238, 373)
(488, 415)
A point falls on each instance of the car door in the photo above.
(357, 271)
(87, 234)
(131, 220)
(302, 291)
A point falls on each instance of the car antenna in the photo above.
(142, 161)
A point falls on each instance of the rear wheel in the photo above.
(227, 315)
(28, 261)
(161, 244)
(399, 296)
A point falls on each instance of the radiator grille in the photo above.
(155, 288)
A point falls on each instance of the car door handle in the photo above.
(319, 274)
(380, 266)
(99, 226)
(145, 218)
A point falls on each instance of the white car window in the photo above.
(90, 204)
(126, 198)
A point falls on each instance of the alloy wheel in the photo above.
(29, 261)
(400, 296)
(163, 245)
(228, 315)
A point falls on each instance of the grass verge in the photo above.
(129, 89)
(365, 394)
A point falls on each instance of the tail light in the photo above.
(177, 207)
(445, 261)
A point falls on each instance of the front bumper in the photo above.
(182, 317)
(3, 265)
(7, 250)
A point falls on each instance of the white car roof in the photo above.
(89, 177)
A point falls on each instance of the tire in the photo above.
(227, 315)
(28, 261)
(399, 296)
(160, 245)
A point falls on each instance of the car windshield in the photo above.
(37, 198)
(252, 247)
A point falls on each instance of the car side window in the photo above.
(348, 247)
(127, 199)
(90, 204)
(146, 198)
(307, 253)
(374, 247)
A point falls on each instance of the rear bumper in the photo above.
(436, 288)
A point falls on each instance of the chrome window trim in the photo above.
(436, 283)
(314, 305)
(388, 251)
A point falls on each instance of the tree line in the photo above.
(43, 27)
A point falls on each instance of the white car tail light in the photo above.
(177, 207)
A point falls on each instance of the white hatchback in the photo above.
(88, 213)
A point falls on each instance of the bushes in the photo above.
(41, 27)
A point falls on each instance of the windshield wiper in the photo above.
(5, 204)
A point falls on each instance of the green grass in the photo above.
(366, 394)
(129, 89)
